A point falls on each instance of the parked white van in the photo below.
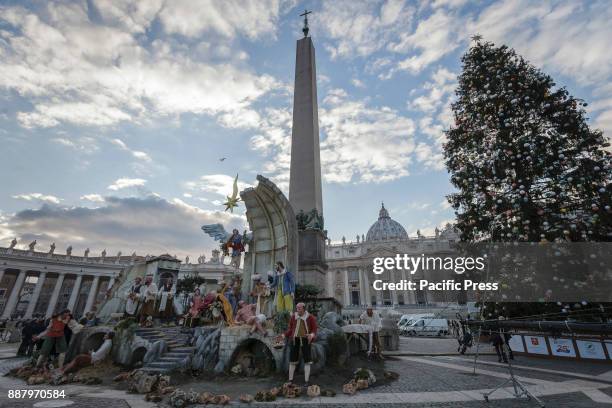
(408, 319)
(432, 327)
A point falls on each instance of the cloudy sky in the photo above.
(114, 113)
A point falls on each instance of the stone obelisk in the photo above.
(305, 177)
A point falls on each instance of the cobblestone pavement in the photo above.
(439, 381)
(435, 345)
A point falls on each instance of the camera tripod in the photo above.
(519, 389)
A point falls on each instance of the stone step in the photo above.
(173, 345)
(154, 338)
(153, 370)
(181, 354)
(173, 359)
(184, 348)
(168, 365)
(147, 335)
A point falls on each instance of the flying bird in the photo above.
(233, 200)
(222, 159)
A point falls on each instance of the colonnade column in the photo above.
(55, 294)
(91, 298)
(330, 283)
(393, 292)
(409, 297)
(14, 297)
(74, 295)
(366, 282)
(111, 282)
(379, 298)
(35, 295)
(347, 295)
(362, 296)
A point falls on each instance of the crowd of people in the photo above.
(46, 341)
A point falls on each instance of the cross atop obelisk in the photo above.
(305, 15)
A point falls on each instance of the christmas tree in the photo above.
(526, 165)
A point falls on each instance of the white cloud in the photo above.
(364, 143)
(604, 122)
(38, 197)
(430, 157)
(6, 233)
(55, 58)
(572, 38)
(84, 144)
(122, 183)
(444, 204)
(273, 140)
(435, 105)
(135, 153)
(358, 83)
(414, 205)
(434, 37)
(146, 225)
(94, 198)
(441, 87)
(228, 18)
(429, 231)
(360, 144)
(220, 184)
(448, 3)
(551, 34)
(359, 28)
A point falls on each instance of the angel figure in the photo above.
(234, 242)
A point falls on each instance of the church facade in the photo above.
(350, 265)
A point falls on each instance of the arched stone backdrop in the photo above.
(274, 227)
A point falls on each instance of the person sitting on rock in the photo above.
(90, 319)
(261, 292)
(54, 337)
(301, 333)
(246, 315)
(91, 358)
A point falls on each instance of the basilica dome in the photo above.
(386, 229)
